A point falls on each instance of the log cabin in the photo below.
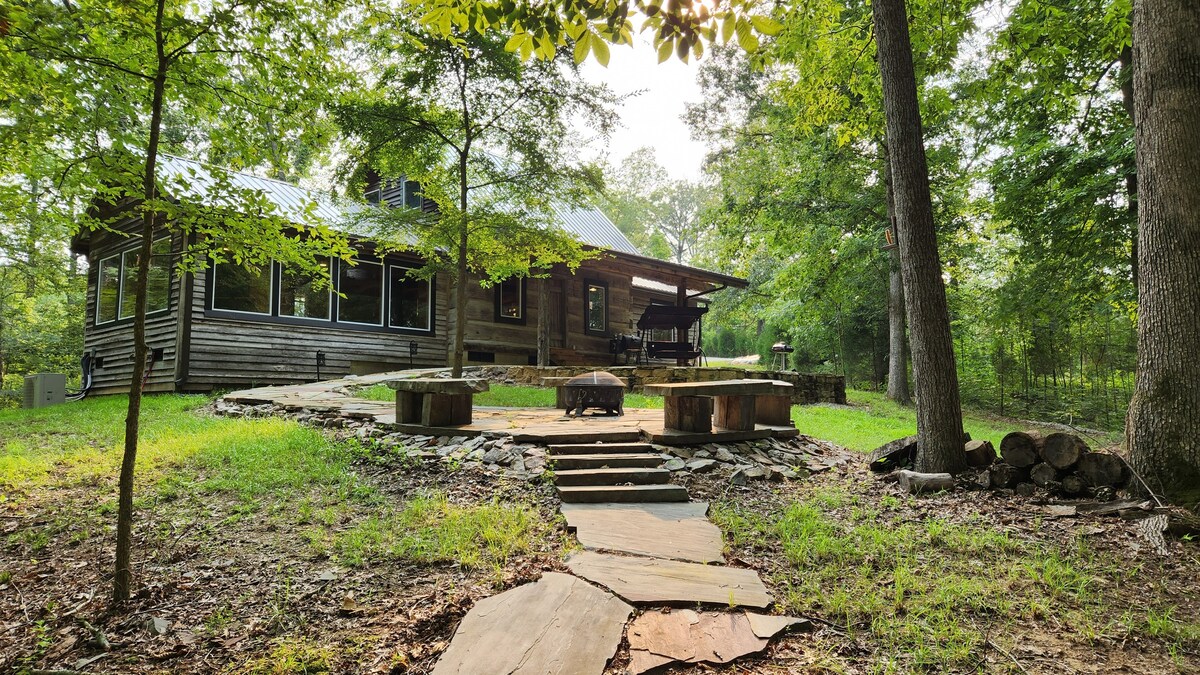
(230, 327)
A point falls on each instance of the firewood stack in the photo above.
(1058, 463)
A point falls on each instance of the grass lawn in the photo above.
(931, 583)
(870, 420)
(276, 501)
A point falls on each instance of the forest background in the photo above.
(1030, 142)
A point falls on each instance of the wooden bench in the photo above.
(435, 402)
(689, 406)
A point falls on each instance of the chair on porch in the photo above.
(685, 324)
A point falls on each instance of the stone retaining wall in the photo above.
(810, 388)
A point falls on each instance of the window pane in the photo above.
(158, 292)
(128, 283)
(410, 301)
(108, 287)
(597, 308)
(241, 289)
(510, 298)
(299, 296)
(412, 194)
(362, 286)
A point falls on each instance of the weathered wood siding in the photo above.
(112, 342)
(226, 352)
(516, 344)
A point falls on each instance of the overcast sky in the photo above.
(652, 118)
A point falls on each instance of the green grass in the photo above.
(430, 529)
(870, 420)
(512, 396)
(923, 588)
(265, 467)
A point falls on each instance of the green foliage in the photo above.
(662, 217)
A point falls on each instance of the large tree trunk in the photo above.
(939, 414)
(1163, 427)
(897, 388)
(122, 572)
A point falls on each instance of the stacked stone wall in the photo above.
(809, 387)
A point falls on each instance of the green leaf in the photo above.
(664, 50)
(583, 47)
(766, 25)
(600, 48)
(515, 41)
(747, 40)
(727, 27)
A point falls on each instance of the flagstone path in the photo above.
(648, 545)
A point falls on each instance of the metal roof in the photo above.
(196, 180)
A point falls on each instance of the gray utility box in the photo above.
(45, 389)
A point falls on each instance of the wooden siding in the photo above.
(515, 344)
(113, 342)
(227, 352)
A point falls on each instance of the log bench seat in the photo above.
(689, 406)
(435, 402)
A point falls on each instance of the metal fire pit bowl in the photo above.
(595, 390)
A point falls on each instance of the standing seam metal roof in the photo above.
(196, 180)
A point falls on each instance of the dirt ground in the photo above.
(234, 594)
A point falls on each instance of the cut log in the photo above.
(888, 456)
(1025, 489)
(1007, 475)
(1073, 485)
(980, 453)
(916, 483)
(1020, 448)
(1061, 451)
(1101, 468)
(1042, 474)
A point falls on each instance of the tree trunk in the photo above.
(543, 324)
(939, 413)
(1131, 184)
(897, 389)
(1163, 429)
(122, 571)
(460, 275)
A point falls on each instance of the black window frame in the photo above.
(277, 295)
(272, 292)
(587, 329)
(383, 295)
(120, 258)
(391, 267)
(333, 323)
(522, 289)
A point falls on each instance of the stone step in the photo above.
(555, 437)
(632, 459)
(611, 476)
(597, 448)
(585, 494)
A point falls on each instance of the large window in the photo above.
(411, 301)
(362, 288)
(300, 295)
(108, 289)
(238, 288)
(116, 282)
(595, 307)
(358, 299)
(510, 300)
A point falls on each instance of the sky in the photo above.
(653, 117)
